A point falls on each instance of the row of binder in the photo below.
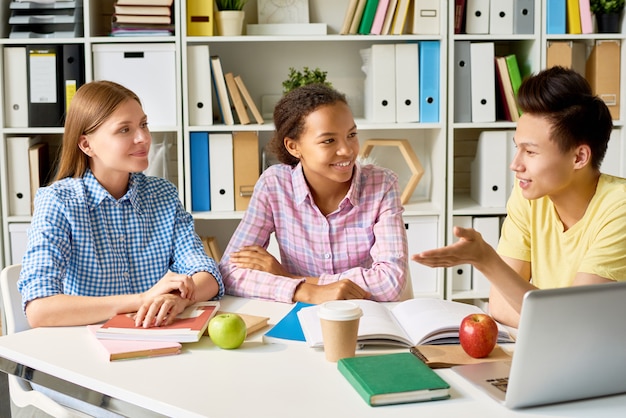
(224, 169)
(475, 83)
(499, 17)
(402, 82)
(568, 16)
(40, 81)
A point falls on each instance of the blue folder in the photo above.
(200, 185)
(555, 17)
(429, 81)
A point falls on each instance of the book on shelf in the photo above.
(142, 10)
(211, 248)
(221, 91)
(385, 379)
(449, 355)
(39, 165)
(509, 102)
(129, 349)
(141, 19)
(347, 18)
(459, 16)
(248, 99)
(356, 19)
(379, 17)
(369, 12)
(288, 329)
(145, 2)
(514, 72)
(235, 96)
(187, 327)
(406, 324)
(391, 11)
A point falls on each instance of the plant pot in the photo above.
(608, 22)
(230, 22)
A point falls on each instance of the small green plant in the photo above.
(230, 4)
(298, 78)
(606, 6)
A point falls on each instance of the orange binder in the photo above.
(245, 166)
(603, 73)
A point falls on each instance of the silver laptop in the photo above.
(570, 345)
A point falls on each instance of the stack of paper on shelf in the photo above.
(49, 19)
(142, 18)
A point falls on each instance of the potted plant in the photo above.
(229, 17)
(608, 14)
(299, 78)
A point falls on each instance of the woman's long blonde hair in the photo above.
(93, 103)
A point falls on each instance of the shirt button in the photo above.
(327, 255)
(122, 238)
(125, 275)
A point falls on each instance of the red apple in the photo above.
(478, 334)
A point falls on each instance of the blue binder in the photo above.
(555, 17)
(199, 158)
(429, 81)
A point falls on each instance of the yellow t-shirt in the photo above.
(596, 244)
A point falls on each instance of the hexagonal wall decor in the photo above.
(413, 163)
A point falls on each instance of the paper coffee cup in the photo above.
(340, 326)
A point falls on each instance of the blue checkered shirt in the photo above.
(84, 242)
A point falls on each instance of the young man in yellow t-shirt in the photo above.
(566, 222)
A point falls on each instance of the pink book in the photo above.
(127, 349)
(585, 16)
(379, 17)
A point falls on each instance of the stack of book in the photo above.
(142, 18)
(50, 19)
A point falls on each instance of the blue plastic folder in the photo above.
(200, 173)
(555, 17)
(288, 329)
(429, 81)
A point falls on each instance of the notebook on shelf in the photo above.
(570, 346)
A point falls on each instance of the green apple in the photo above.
(227, 330)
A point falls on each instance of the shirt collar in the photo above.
(301, 188)
(95, 193)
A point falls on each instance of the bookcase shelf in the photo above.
(444, 148)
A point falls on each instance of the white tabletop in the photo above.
(256, 380)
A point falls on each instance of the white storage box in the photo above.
(147, 69)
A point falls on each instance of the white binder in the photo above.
(511, 150)
(407, 82)
(147, 69)
(501, 17)
(380, 82)
(426, 17)
(422, 233)
(489, 228)
(489, 170)
(199, 86)
(477, 17)
(18, 233)
(483, 86)
(18, 174)
(15, 87)
(461, 274)
(222, 173)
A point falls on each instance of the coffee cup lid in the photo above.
(339, 310)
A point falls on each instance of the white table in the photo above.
(256, 380)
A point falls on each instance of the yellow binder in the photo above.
(199, 18)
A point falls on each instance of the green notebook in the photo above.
(393, 378)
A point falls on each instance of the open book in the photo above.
(408, 323)
(188, 326)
